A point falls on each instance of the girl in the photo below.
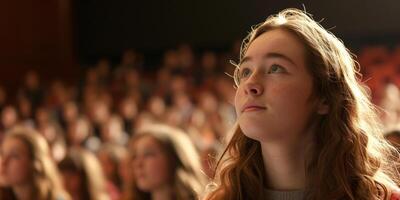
(305, 128)
(28, 169)
(165, 165)
(83, 175)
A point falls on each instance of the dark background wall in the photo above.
(107, 28)
(36, 35)
(55, 37)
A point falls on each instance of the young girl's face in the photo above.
(151, 167)
(16, 164)
(273, 100)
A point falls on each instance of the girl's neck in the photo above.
(24, 192)
(284, 164)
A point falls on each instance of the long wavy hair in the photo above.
(188, 180)
(46, 179)
(350, 158)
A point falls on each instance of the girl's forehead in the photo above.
(146, 141)
(278, 41)
(13, 144)
(276, 37)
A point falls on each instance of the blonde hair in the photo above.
(350, 160)
(46, 179)
(188, 181)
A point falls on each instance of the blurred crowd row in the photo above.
(380, 69)
(95, 120)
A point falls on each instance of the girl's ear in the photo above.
(323, 107)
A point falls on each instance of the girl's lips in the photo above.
(249, 108)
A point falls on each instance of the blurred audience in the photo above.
(111, 157)
(114, 103)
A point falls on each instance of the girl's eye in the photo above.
(149, 154)
(245, 72)
(14, 155)
(241, 73)
(276, 69)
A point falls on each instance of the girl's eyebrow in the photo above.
(269, 55)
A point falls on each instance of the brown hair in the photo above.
(350, 160)
(188, 180)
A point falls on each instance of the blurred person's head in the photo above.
(208, 102)
(78, 131)
(165, 162)
(83, 176)
(178, 84)
(156, 106)
(110, 157)
(391, 97)
(32, 80)
(100, 112)
(55, 137)
(42, 116)
(174, 117)
(25, 108)
(128, 108)
(112, 130)
(27, 167)
(198, 119)
(391, 106)
(9, 117)
(89, 97)
(70, 112)
(181, 101)
(185, 55)
(224, 88)
(59, 93)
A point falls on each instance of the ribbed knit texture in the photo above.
(284, 195)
